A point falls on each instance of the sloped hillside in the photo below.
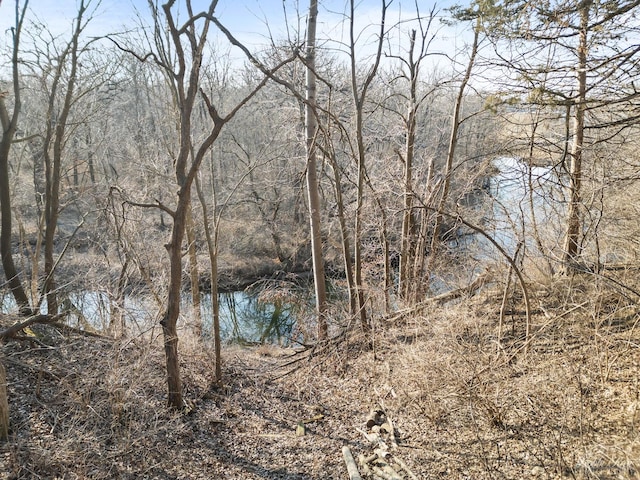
(563, 403)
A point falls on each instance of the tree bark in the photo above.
(9, 127)
(574, 221)
(170, 320)
(311, 130)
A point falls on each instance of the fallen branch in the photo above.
(404, 467)
(445, 297)
(352, 468)
(14, 330)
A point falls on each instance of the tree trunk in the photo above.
(4, 404)
(407, 246)
(55, 140)
(311, 129)
(170, 320)
(344, 235)
(9, 127)
(52, 207)
(212, 248)
(574, 221)
(453, 142)
(194, 273)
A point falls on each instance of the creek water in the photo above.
(244, 316)
(517, 195)
(520, 200)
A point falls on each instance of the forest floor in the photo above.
(564, 404)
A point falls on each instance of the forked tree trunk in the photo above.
(55, 139)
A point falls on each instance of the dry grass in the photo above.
(464, 406)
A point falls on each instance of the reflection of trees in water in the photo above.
(264, 313)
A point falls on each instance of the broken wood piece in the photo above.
(387, 475)
(404, 467)
(368, 459)
(371, 437)
(364, 465)
(352, 468)
(375, 417)
(316, 418)
(381, 452)
(388, 425)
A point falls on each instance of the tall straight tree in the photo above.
(578, 55)
(311, 132)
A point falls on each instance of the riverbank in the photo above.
(566, 406)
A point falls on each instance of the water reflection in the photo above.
(245, 316)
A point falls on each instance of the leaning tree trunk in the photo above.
(453, 142)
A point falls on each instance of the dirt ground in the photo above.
(469, 397)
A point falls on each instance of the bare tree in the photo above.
(411, 73)
(456, 120)
(359, 94)
(182, 64)
(311, 130)
(9, 127)
(61, 98)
